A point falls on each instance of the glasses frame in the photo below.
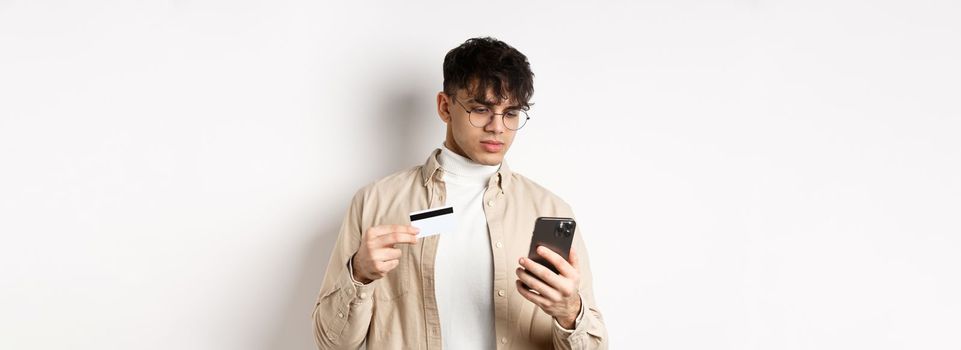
(503, 121)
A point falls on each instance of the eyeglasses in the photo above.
(479, 117)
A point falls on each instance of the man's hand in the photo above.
(556, 294)
(377, 255)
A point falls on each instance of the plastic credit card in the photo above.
(433, 221)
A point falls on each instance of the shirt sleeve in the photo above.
(350, 273)
(344, 308)
(589, 330)
(577, 321)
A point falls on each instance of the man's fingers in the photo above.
(557, 260)
(381, 230)
(386, 266)
(386, 254)
(575, 260)
(545, 274)
(533, 297)
(543, 289)
(388, 240)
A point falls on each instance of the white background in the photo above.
(748, 174)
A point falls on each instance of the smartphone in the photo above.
(554, 233)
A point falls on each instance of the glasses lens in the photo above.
(515, 119)
(480, 119)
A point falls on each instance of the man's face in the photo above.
(485, 145)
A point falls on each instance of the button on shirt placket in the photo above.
(495, 216)
(429, 254)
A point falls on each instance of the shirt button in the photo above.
(504, 340)
(363, 295)
(490, 203)
(500, 292)
(499, 244)
(340, 314)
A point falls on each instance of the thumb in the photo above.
(574, 259)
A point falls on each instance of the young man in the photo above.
(470, 288)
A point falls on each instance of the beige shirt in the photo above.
(399, 311)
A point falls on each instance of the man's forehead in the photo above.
(489, 97)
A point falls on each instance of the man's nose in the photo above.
(495, 124)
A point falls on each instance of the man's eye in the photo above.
(479, 110)
(512, 114)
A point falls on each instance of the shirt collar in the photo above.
(502, 178)
(463, 170)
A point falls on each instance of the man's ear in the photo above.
(443, 107)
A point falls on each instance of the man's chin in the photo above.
(489, 159)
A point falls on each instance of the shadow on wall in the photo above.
(399, 122)
(406, 124)
(401, 129)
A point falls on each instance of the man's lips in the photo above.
(492, 146)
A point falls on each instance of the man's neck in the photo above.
(463, 168)
(455, 148)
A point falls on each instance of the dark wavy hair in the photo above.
(493, 66)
